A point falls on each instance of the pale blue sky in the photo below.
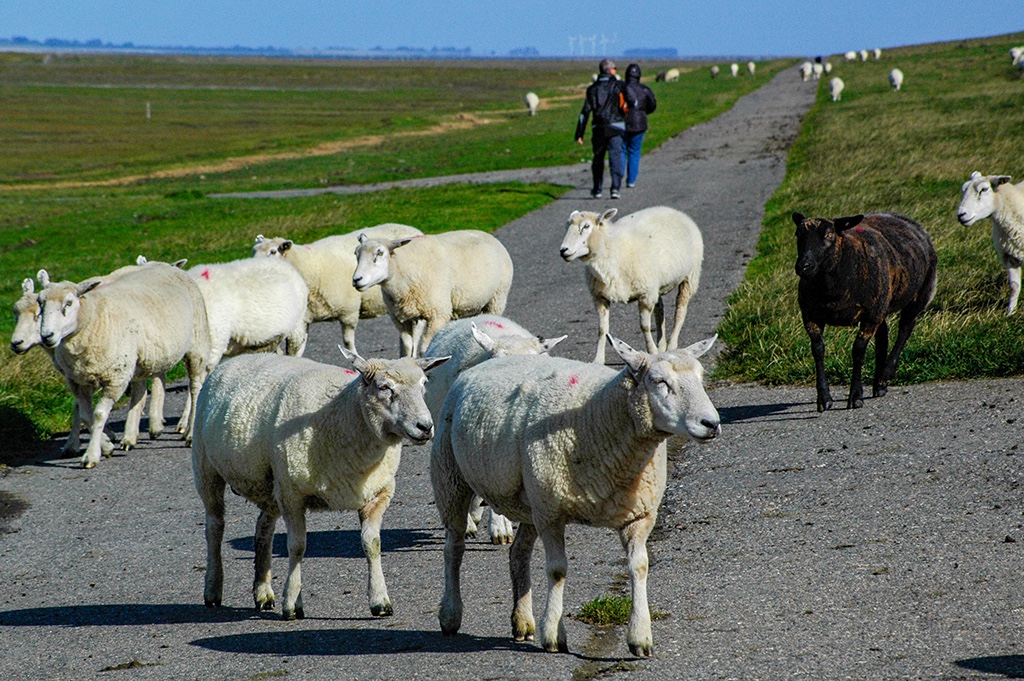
(746, 27)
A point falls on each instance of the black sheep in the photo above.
(856, 271)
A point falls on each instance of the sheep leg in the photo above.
(682, 301)
(1013, 274)
(295, 522)
(881, 383)
(603, 315)
(370, 518)
(815, 332)
(552, 628)
(156, 407)
(197, 370)
(523, 625)
(263, 543)
(659, 325)
(433, 325)
(295, 342)
(100, 414)
(407, 337)
(79, 416)
(134, 417)
(210, 486)
(645, 324)
(634, 540)
(860, 346)
(475, 515)
(185, 413)
(500, 528)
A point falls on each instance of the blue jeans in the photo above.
(631, 144)
(613, 147)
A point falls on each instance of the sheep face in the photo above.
(816, 242)
(373, 261)
(674, 385)
(978, 197)
(60, 304)
(273, 248)
(578, 229)
(392, 397)
(27, 314)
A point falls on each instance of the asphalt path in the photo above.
(868, 544)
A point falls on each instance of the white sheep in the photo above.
(877, 53)
(734, 69)
(532, 102)
(714, 71)
(850, 56)
(835, 88)
(828, 67)
(570, 443)
(1015, 53)
(994, 197)
(863, 55)
(751, 67)
(641, 257)
(427, 281)
(896, 79)
(469, 342)
(327, 266)
(672, 75)
(108, 335)
(292, 435)
(806, 69)
(817, 70)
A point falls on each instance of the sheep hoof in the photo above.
(641, 649)
(824, 406)
(855, 403)
(880, 391)
(265, 605)
(88, 464)
(559, 647)
(127, 446)
(211, 604)
(383, 610)
(154, 434)
(296, 614)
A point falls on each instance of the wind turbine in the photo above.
(593, 44)
(572, 43)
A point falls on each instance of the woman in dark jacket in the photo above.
(641, 102)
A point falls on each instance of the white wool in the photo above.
(994, 197)
(532, 102)
(896, 79)
(835, 88)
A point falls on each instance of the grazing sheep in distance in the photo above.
(863, 55)
(878, 54)
(835, 88)
(469, 342)
(994, 197)
(850, 56)
(427, 281)
(571, 443)
(734, 69)
(751, 67)
(670, 76)
(107, 335)
(896, 79)
(857, 271)
(714, 71)
(532, 102)
(828, 67)
(806, 69)
(641, 257)
(292, 435)
(817, 70)
(1015, 53)
(327, 266)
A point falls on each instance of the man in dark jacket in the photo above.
(602, 101)
(641, 102)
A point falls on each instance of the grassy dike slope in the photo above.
(961, 109)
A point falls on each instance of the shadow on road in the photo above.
(1010, 666)
(346, 543)
(123, 614)
(786, 411)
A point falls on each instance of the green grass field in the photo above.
(961, 109)
(80, 120)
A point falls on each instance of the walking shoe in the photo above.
(630, 185)
(615, 193)
(595, 193)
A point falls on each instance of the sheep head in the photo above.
(817, 241)
(60, 304)
(578, 229)
(26, 319)
(274, 247)
(978, 200)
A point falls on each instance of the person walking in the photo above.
(641, 101)
(604, 101)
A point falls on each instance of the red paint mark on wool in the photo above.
(205, 274)
(573, 381)
(308, 247)
(859, 230)
(497, 325)
(349, 372)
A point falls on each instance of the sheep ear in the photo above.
(87, 285)
(141, 260)
(798, 218)
(428, 363)
(360, 364)
(43, 277)
(398, 243)
(28, 286)
(975, 175)
(260, 238)
(700, 347)
(285, 245)
(997, 180)
(575, 214)
(636, 360)
(485, 341)
(180, 264)
(608, 214)
(841, 224)
(547, 344)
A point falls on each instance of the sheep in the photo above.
(1015, 53)
(292, 435)
(850, 56)
(896, 79)
(641, 257)
(817, 70)
(857, 271)
(469, 342)
(714, 71)
(327, 267)
(806, 69)
(828, 67)
(734, 69)
(109, 335)
(660, 78)
(427, 281)
(572, 443)
(994, 197)
(671, 76)
(751, 67)
(835, 88)
(863, 55)
(878, 53)
(532, 102)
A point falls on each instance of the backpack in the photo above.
(614, 108)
